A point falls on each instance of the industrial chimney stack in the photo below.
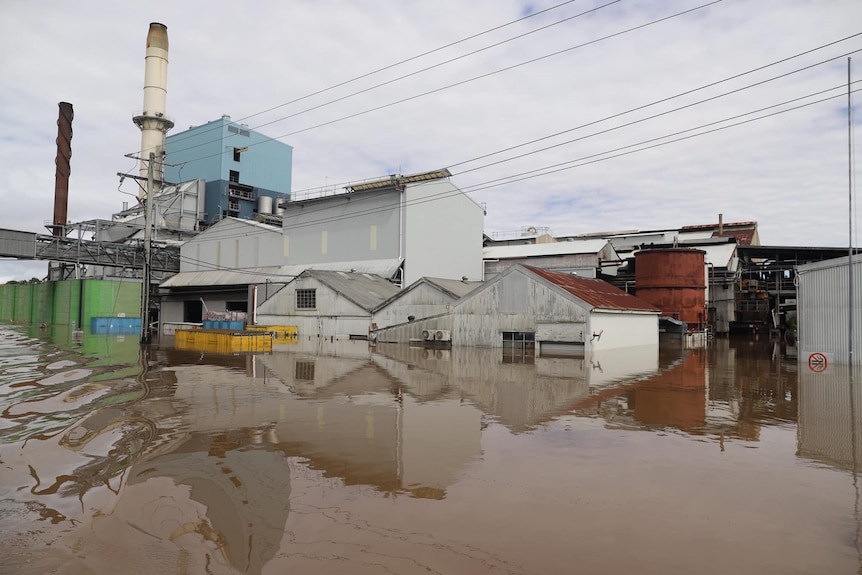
(152, 121)
(61, 174)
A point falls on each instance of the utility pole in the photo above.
(148, 228)
(850, 215)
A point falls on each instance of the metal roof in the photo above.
(395, 180)
(590, 246)
(597, 293)
(384, 267)
(225, 277)
(719, 255)
(456, 288)
(365, 290)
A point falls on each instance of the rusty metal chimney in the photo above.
(61, 175)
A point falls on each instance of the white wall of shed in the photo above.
(443, 231)
(619, 330)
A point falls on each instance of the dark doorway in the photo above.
(193, 311)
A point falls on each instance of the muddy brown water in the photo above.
(341, 459)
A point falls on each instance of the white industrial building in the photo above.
(423, 298)
(584, 257)
(529, 308)
(327, 304)
(218, 269)
(824, 310)
(418, 225)
(400, 228)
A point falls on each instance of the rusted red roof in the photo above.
(597, 293)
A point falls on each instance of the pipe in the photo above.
(61, 174)
(152, 121)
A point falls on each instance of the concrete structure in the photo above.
(423, 298)
(152, 120)
(585, 257)
(240, 166)
(327, 304)
(555, 314)
(420, 225)
(824, 310)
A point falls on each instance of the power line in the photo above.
(647, 105)
(633, 122)
(468, 80)
(509, 180)
(681, 94)
(582, 161)
(404, 61)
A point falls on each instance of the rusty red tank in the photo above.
(674, 281)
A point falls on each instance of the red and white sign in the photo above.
(817, 362)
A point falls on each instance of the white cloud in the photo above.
(789, 172)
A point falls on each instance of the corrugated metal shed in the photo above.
(597, 293)
(365, 290)
(823, 309)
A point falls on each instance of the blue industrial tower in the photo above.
(247, 174)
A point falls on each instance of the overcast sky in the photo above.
(502, 74)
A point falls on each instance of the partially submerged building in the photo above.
(423, 298)
(530, 308)
(327, 304)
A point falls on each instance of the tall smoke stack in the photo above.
(152, 121)
(61, 175)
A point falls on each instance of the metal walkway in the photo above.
(31, 246)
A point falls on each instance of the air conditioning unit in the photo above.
(443, 335)
(428, 334)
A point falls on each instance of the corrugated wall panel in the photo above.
(17, 244)
(823, 312)
(43, 303)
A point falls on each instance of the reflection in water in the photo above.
(341, 458)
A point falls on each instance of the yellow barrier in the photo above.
(280, 333)
(223, 341)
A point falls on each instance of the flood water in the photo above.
(340, 459)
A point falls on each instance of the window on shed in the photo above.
(306, 299)
(234, 175)
(237, 155)
(519, 340)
